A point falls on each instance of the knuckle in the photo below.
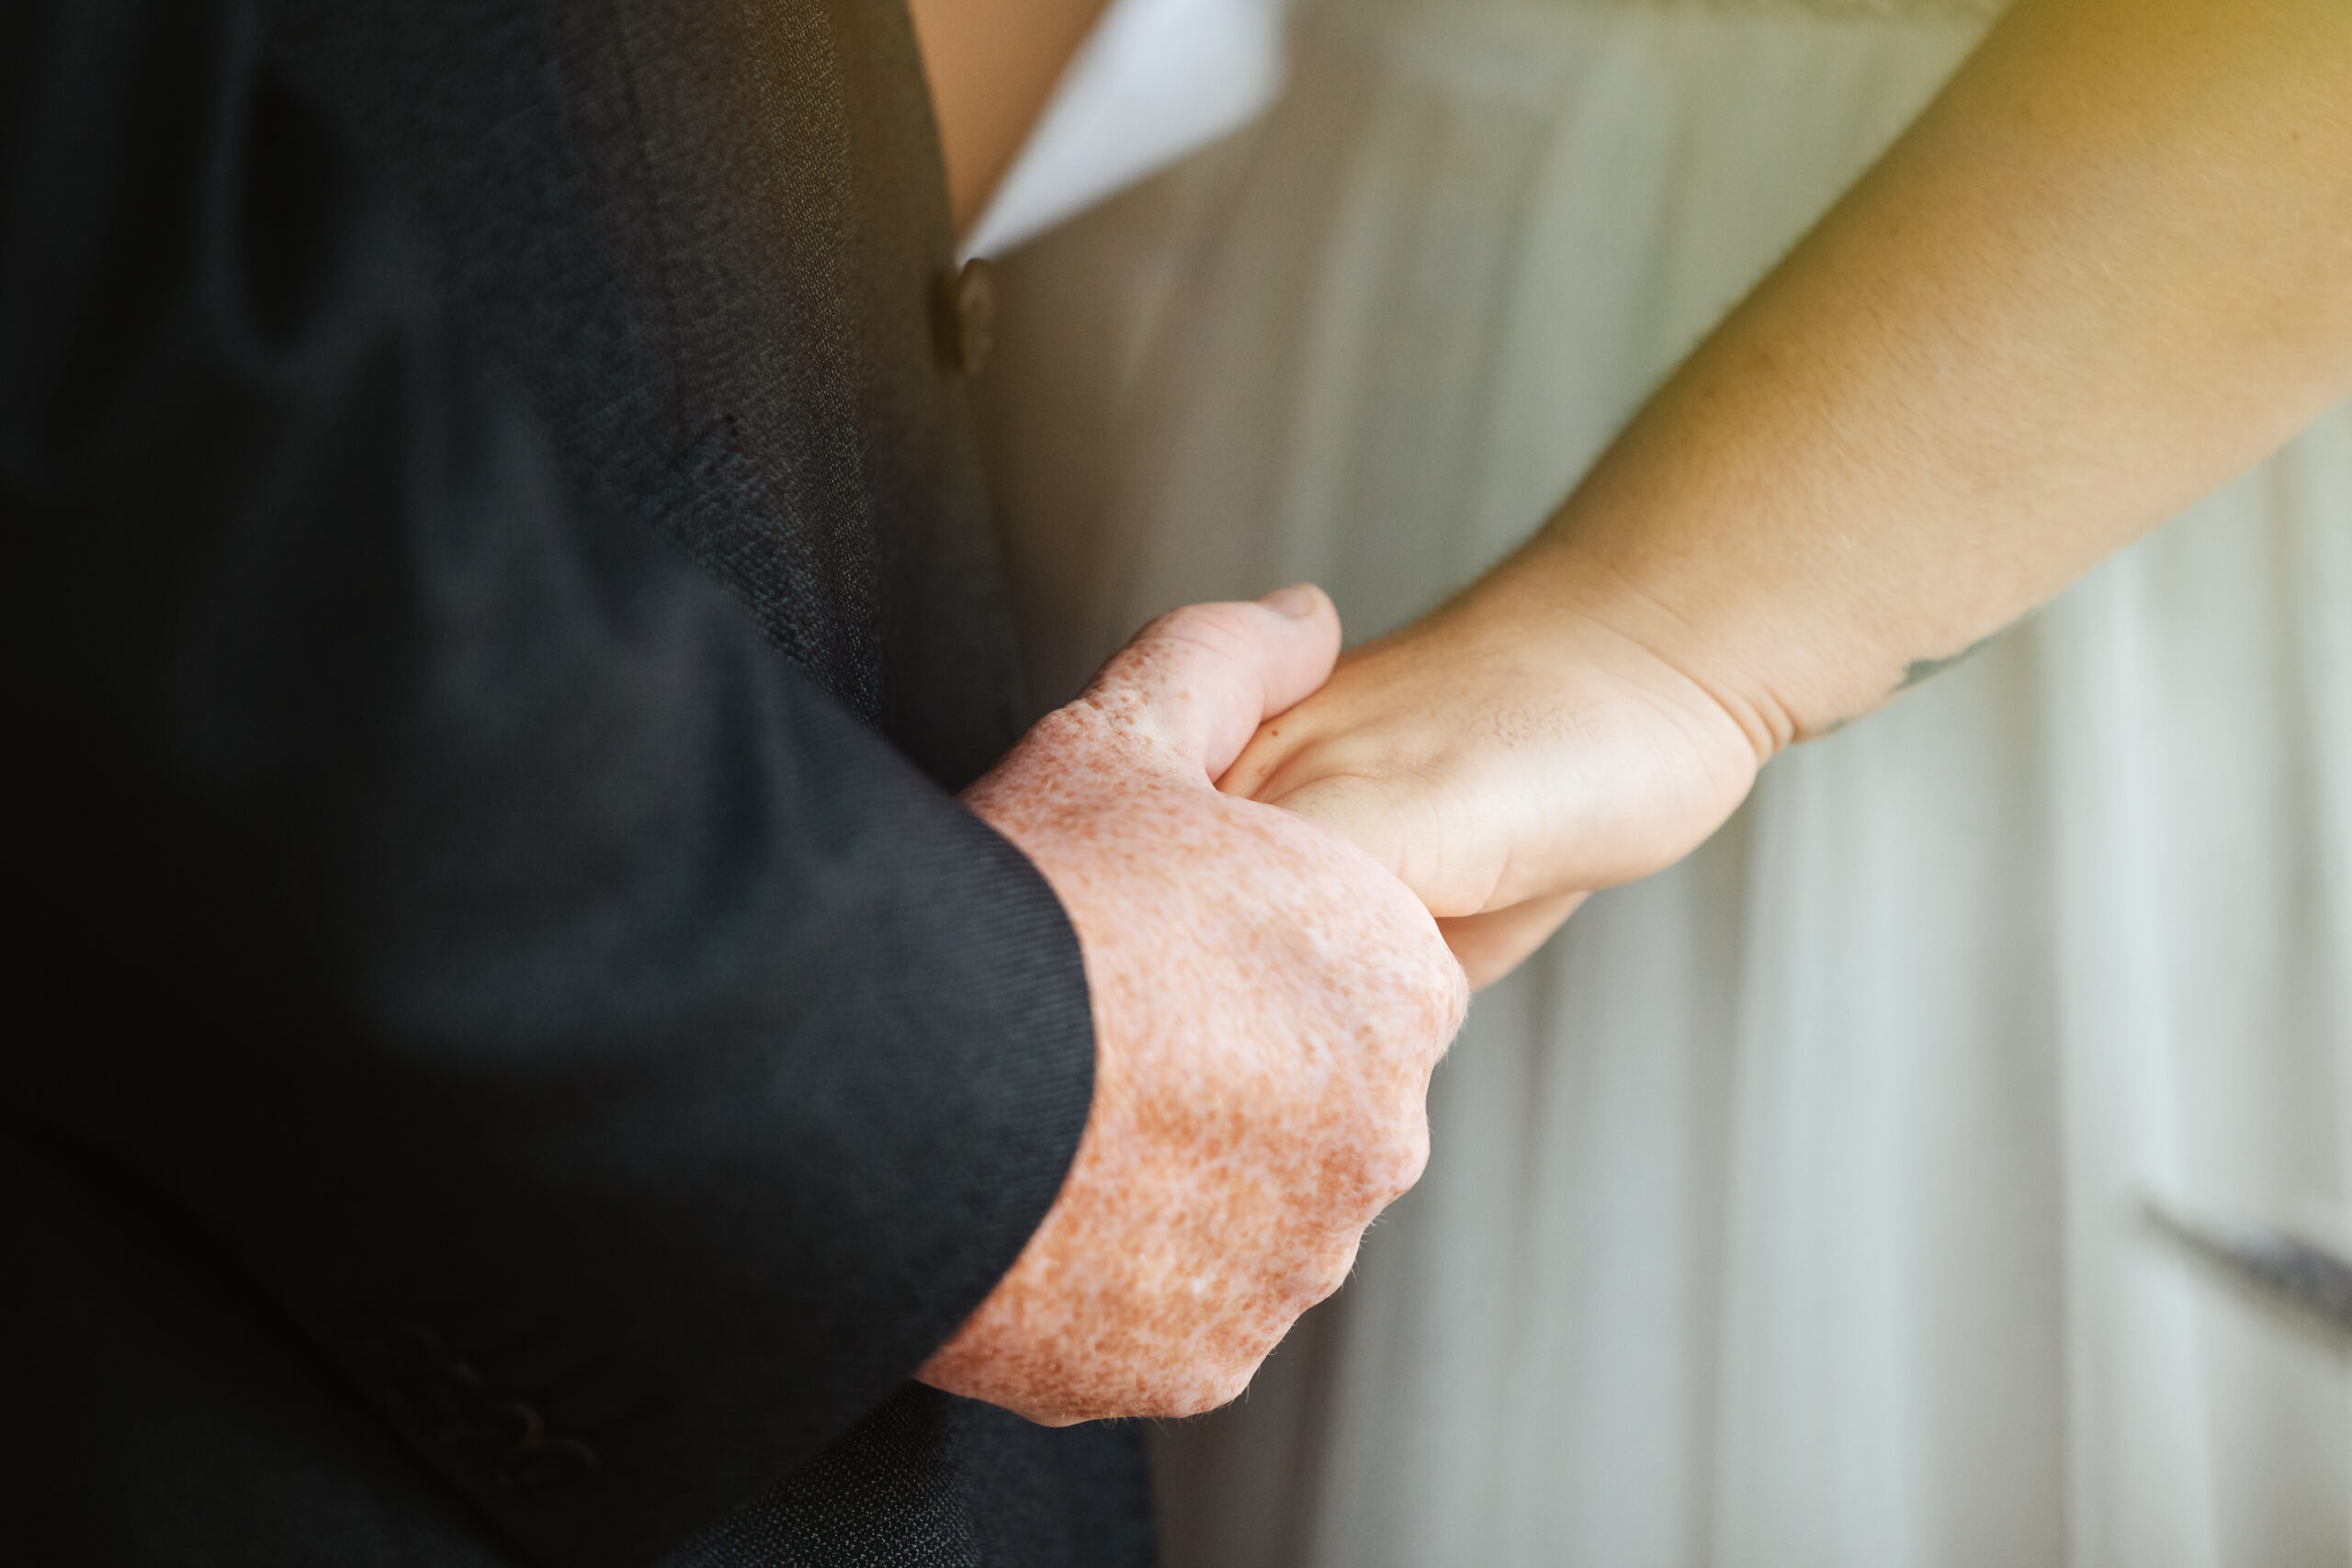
(1232, 1385)
(1218, 644)
(1212, 1391)
(1391, 1170)
(1379, 1166)
(1430, 999)
(1327, 1281)
(1453, 988)
(1415, 1166)
(1062, 729)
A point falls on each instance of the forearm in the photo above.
(2108, 267)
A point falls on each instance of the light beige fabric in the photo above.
(1780, 1211)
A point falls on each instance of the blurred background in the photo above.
(1944, 1165)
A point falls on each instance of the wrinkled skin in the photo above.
(1268, 1006)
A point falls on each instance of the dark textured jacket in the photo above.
(520, 1052)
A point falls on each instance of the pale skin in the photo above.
(1268, 1006)
(2109, 267)
(1268, 1002)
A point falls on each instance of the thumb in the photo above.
(1207, 676)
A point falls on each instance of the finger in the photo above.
(1207, 675)
(1491, 946)
(1257, 763)
(1414, 827)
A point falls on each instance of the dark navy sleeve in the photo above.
(624, 1063)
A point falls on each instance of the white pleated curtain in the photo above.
(1784, 1212)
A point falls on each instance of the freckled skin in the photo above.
(1268, 1003)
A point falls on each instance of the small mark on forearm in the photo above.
(1923, 670)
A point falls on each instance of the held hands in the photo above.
(1512, 752)
(1269, 996)
(1268, 1006)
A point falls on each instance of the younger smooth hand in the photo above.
(1504, 757)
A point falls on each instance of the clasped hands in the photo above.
(1267, 860)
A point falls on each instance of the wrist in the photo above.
(1523, 742)
(1785, 650)
(1573, 607)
